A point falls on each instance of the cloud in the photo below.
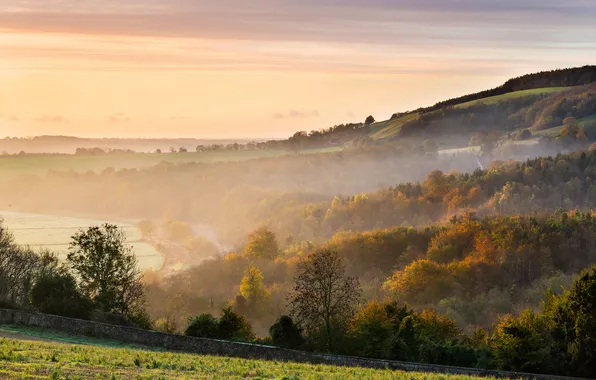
(9, 117)
(50, 119)
(293, 114)
(345, 21)
(119, 118)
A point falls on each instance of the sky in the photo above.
(265, 68)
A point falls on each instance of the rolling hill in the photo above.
(538, 101)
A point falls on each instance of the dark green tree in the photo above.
(56, 292)
(107, 269)
(285, 333)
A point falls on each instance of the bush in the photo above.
(284, 333)
(57, 293)
(230, 326)
(234, 326)
(165, 325)
(203, 326)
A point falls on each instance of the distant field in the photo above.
(556, 130)
(11, 166)
(512, 95)
(42, 360)
(386, 129)
(53, 232)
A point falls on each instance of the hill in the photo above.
(538, 101)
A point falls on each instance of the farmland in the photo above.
(15, 165)
(513, 95)
(35, 359)
(53, 232)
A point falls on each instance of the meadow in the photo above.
(42, 360)
(513, 95)
(53, 232)
(15, 165)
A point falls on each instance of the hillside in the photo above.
(538, 101)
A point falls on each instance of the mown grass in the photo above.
(11, 166)
(512, 95)
(40, 360)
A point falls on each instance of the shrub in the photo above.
(57, 293)
(230, 326)
(285, 333)
(203, 326)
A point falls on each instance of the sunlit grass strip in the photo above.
(29, 359)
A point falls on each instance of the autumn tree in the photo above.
(253, 290)
(107, 269)
(324, 298)
(262, 243)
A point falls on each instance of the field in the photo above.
(32, 359)
(12, 166)
(512, 95)
(386, 129)
(53, 232)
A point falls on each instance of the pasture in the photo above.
(53, 232)
(513, 95)
(16, 165)
(41, 360)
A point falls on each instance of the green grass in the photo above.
(556, 130)
(512, 95)
(389, 128)
(11, 166)
(61, 337)
(31, 360)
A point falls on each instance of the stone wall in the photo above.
(203, 346)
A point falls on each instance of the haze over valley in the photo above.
(406, 181)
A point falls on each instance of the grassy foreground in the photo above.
(32, 360)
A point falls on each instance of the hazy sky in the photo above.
(263, 68)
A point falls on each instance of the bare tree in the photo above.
(323, 298)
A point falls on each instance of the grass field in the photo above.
(54, 232)
(11, 166)
(386, 129)
(512, 95)
(26, 359)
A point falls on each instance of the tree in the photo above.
(234, 326)
(262, 243)
(203, 326)
(107, 269)
(524, 135)
(323, 298)
(575, 325)
(147, 228)
(56, 292)
(253, 290)
(285, 333)
(369, 120)
(522, 343)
